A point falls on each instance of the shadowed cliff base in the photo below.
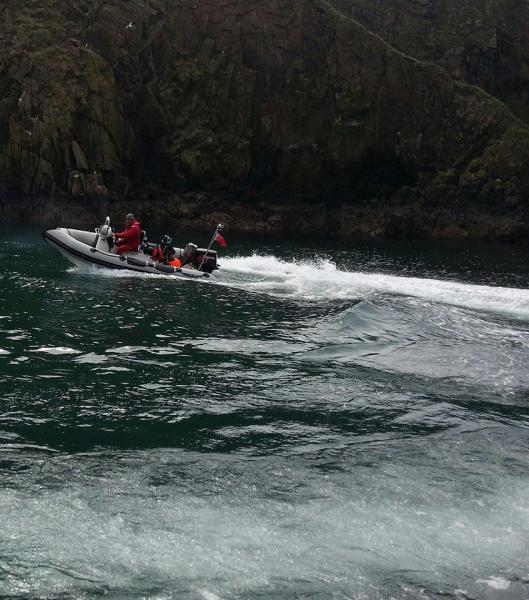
(400, 219)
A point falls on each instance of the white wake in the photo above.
(321, 280)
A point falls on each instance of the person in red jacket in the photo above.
(129, 239)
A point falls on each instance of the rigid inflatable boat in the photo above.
(94, 248)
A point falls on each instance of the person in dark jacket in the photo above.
(164, 252)
(129, 239)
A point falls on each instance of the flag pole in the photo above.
(220, 227)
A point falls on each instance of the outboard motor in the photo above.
(104, 234)
(206, 260)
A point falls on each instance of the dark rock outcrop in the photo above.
(279, 113)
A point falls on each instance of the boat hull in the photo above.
(83, 253)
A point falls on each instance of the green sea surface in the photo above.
(320, 419)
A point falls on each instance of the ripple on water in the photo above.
(91, 358)
(57, 350)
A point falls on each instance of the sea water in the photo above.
(318, 420)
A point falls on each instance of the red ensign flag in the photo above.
(220, 240)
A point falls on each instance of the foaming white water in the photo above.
(352, 533)
(321, 280)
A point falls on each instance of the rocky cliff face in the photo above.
(483, 42)
(280, 113)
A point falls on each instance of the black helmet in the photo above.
(166, 239)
